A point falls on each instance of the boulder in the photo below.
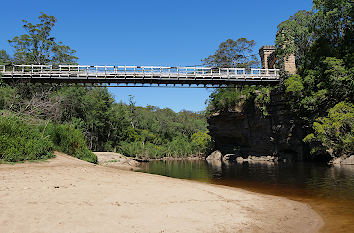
(216, 155)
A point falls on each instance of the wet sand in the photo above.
(68, 195)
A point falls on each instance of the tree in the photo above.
(39, 47)
(294, 36)
(333, 20)
(201, 141)
(335, 132)
(232, 53)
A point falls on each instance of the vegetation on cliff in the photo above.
(321, 94)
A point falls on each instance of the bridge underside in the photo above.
(152, 80)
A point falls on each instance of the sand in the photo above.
(68, 195)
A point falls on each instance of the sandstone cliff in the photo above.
(246, 131)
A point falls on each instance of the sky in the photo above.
(154, 32)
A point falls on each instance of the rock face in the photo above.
(343, 160)
(248, 132)
(348, 161)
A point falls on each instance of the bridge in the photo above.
(138, 75)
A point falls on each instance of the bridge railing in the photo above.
(162, 71)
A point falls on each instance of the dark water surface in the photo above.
(329, 190)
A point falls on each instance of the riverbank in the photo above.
(65, 194)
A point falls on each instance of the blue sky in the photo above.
(154, 32)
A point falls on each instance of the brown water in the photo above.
(329, 190)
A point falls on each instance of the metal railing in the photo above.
(137, 70)
(138, 74)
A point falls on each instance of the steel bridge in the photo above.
(139, 75)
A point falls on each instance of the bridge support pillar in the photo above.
(267, 54)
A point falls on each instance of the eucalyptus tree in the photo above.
(232, 53)
(295, 36)
(38, 46)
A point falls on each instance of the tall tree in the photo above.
(232, 53)
(294, 36)
(38, 46)
(333, 20)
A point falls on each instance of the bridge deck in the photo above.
(139, 75)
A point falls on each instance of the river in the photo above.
(329, 190)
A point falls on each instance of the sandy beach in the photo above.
(65, 194)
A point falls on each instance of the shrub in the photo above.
(69, 140)
(20, 141)
(335, 132)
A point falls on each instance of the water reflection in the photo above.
(305, 178)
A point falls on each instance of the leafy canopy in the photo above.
(335, 132)
(234, 54)
(39, 47)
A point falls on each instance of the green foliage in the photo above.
(8, 97)
(229, 99)
(262, 99)
(322, 41)
(69, 140)
(335, 132)
(294, 85)
(201, 141)
(294, 36)
(232, 53)
(5, 59)
(333, 21)
(38, 46)
(20, 140)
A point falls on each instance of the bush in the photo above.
(335, 132)
(227, 99)
(20, 141)
(69, 140)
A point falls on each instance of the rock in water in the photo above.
(216, 155)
